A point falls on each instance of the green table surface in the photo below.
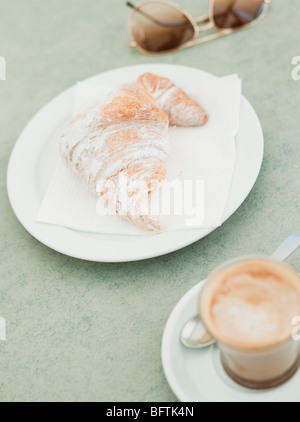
(82, 331)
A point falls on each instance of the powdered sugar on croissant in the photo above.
(127, 134)
(127, 138)
(181, 110)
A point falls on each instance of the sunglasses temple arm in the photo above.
(159, 23)
(132, 6)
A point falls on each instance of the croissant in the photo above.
(181, 110)
(127, 138)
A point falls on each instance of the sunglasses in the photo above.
(161, 26)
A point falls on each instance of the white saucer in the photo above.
(196, 375)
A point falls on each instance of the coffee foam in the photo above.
(253, 303)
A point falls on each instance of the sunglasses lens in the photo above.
(158, 27)
(236, 13)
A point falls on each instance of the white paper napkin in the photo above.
(206, 154)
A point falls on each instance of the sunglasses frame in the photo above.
(197, 23)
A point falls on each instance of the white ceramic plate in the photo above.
(33, 162)
(197, 375)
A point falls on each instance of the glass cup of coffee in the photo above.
(248, 305)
